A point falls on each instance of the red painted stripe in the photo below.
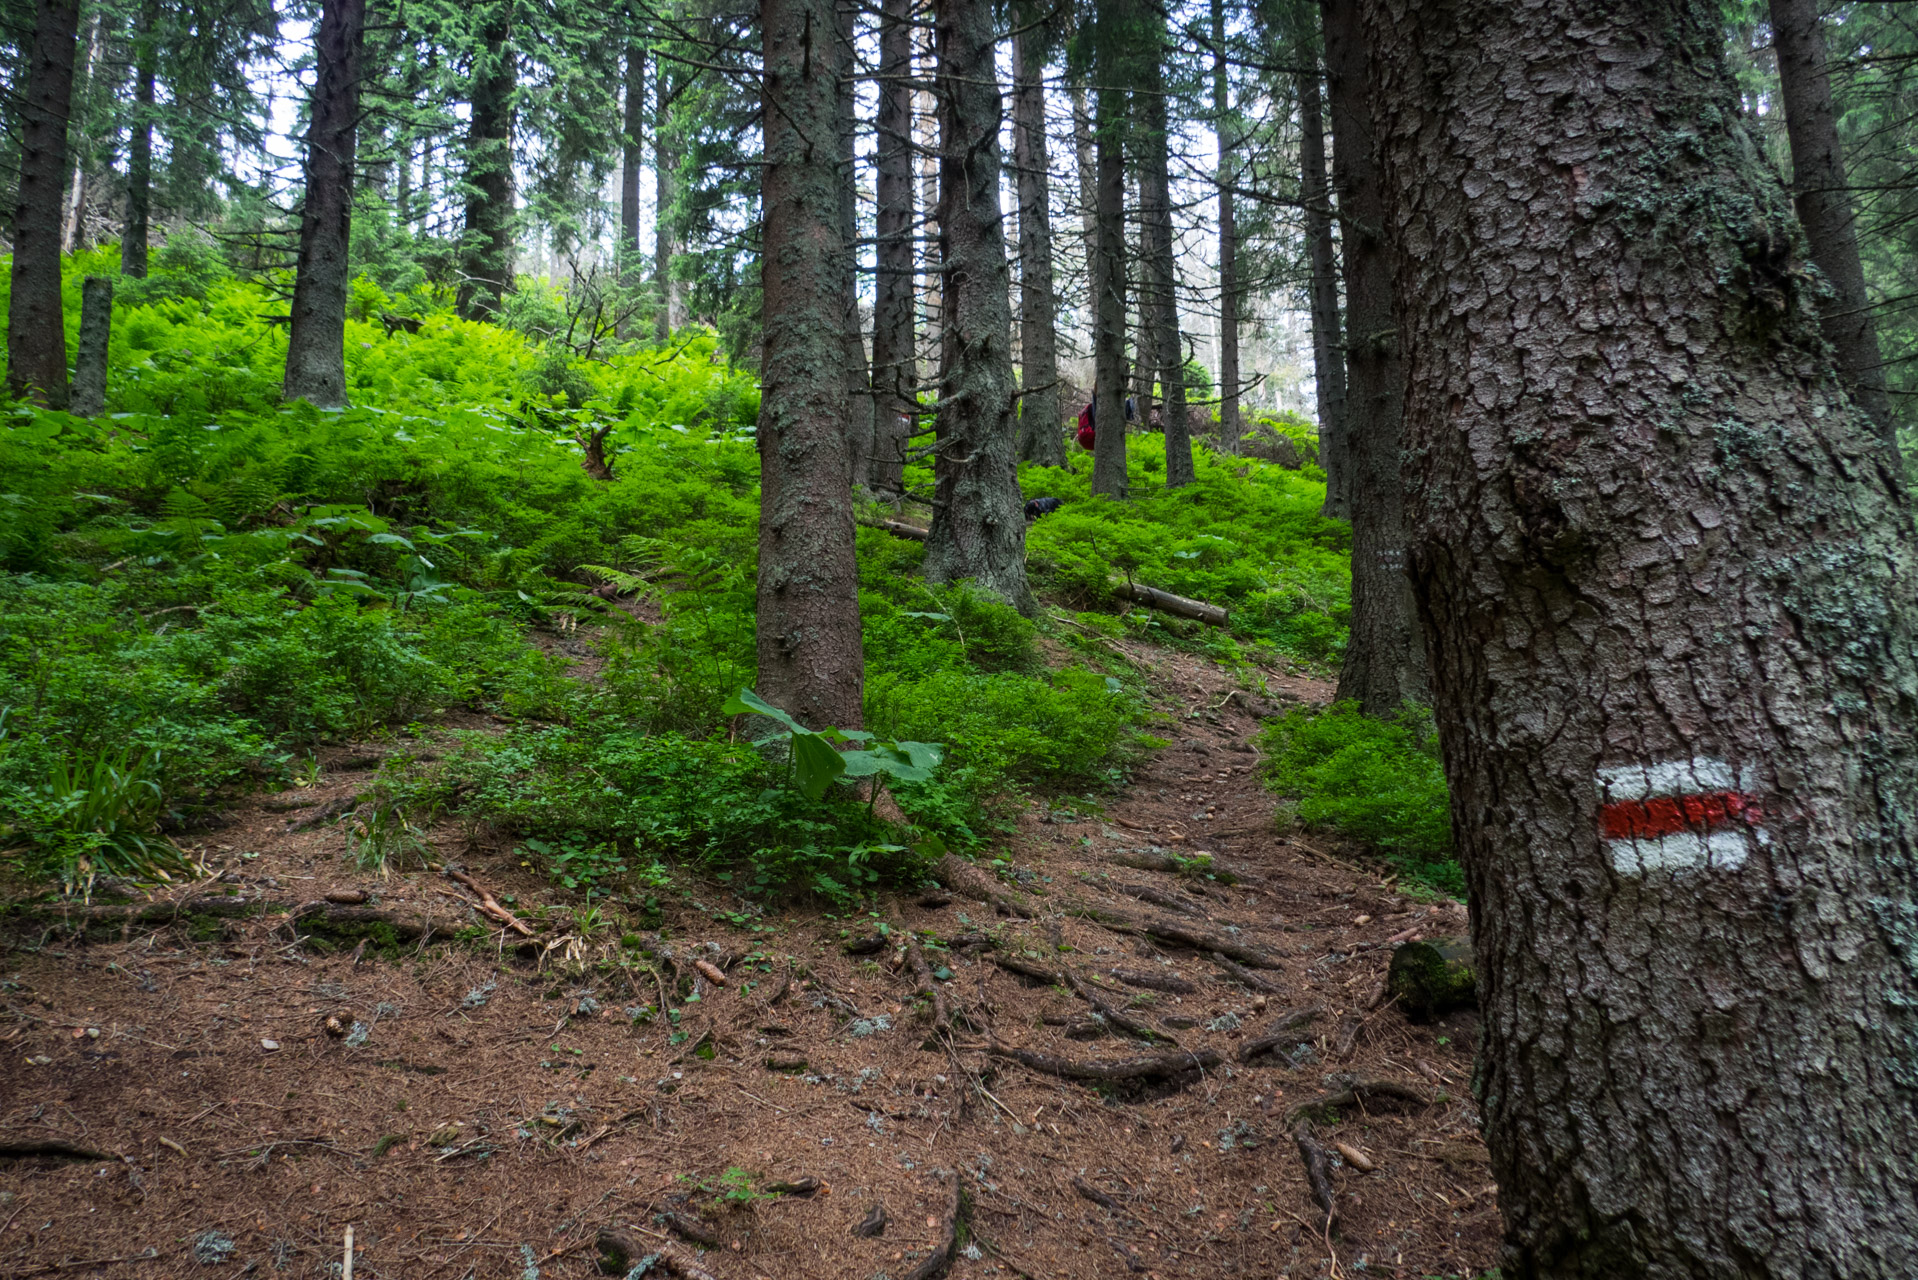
(1667, 815)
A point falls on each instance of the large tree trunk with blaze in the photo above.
(859, 427)
(810, 660)
(136, 230)
(316, 340)
(1109, 296)
(1161, 349)
(894, 353)
(1824, 205)
(1667, 577)
(1041, 420)
(1328, 359)
(486, 246)
(978, 530)
(1228, 233)
(1384, 665)
(36, 313)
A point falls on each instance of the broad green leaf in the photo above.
(746, 703)
(815, 764)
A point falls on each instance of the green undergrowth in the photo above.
(203, 588)
(1379, 781)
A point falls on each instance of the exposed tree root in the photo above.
(1318, 1172)
(1242, 974)
(928, 985)
(872, 1225)
(1157, 1066)
(1280, 1032)
(1158, 898)
(968, 881)
(1089, 1192)
(1354, 1092)
(1200, 940)
(948, 1241)
(621, 1250)
(1171, 982)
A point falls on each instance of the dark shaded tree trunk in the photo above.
(1328, 357)
(1161, 348)
(859, 428)
(1823, 199)
(89, 399)
(1384, 665)
(136, 232)
(486, 247)
(894, 350)
(666, 200)
(978, 530)
(1109, 298)
(36, 313)
(929, 200)
(316, 340)
(810, 657)
(1085, 151)
(1041, 420)
(1667, 578)
(632, 158)
(1228, 234)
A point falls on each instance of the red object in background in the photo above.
(1085, 427)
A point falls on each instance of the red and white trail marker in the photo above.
(1678, 815)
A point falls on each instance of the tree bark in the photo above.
(894, 353)
(1667, 573)
(1041, 419)
(1085, 152)
(1384, 666)
(1328, 360)
(36, 314)
(1822, 196)
(978, 531)
(316, 339)
(136, 231)
(929, 200)
(89, 398)
(486, 248)
(810, 660)
(1162, 349)
(666, 202)
(632, 158)
(1109, 298)
(859, 427)
(1228, 234)
(72, 227)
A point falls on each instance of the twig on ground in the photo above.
(489, 905)
(1318, 1172)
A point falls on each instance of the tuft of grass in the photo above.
(1380, 781)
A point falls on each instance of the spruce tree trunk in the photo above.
(1668, 585)
(666, 211)
(36, 315)
(136, 232)
(978, 529)
(810, 660)
(1086, 154)
(486, 248)
(1109, 298)
(1328, 358)
(1823, 198)
(1228, 235)
(1384, 666)
(894, 353)
(1041, 420)
(632, 158)
(316, 340)
(89, 399)
(1162, 349)
(929, 200)
(72, 227)
(859, 428)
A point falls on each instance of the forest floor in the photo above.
(174, 1102)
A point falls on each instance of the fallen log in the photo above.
(898, 528)
(1165, 601)
(1156, 1066)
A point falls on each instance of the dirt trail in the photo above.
(233, 1097)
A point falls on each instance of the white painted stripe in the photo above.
(1680, 851)
(1669, 778)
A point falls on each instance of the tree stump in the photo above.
(1431, 978)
